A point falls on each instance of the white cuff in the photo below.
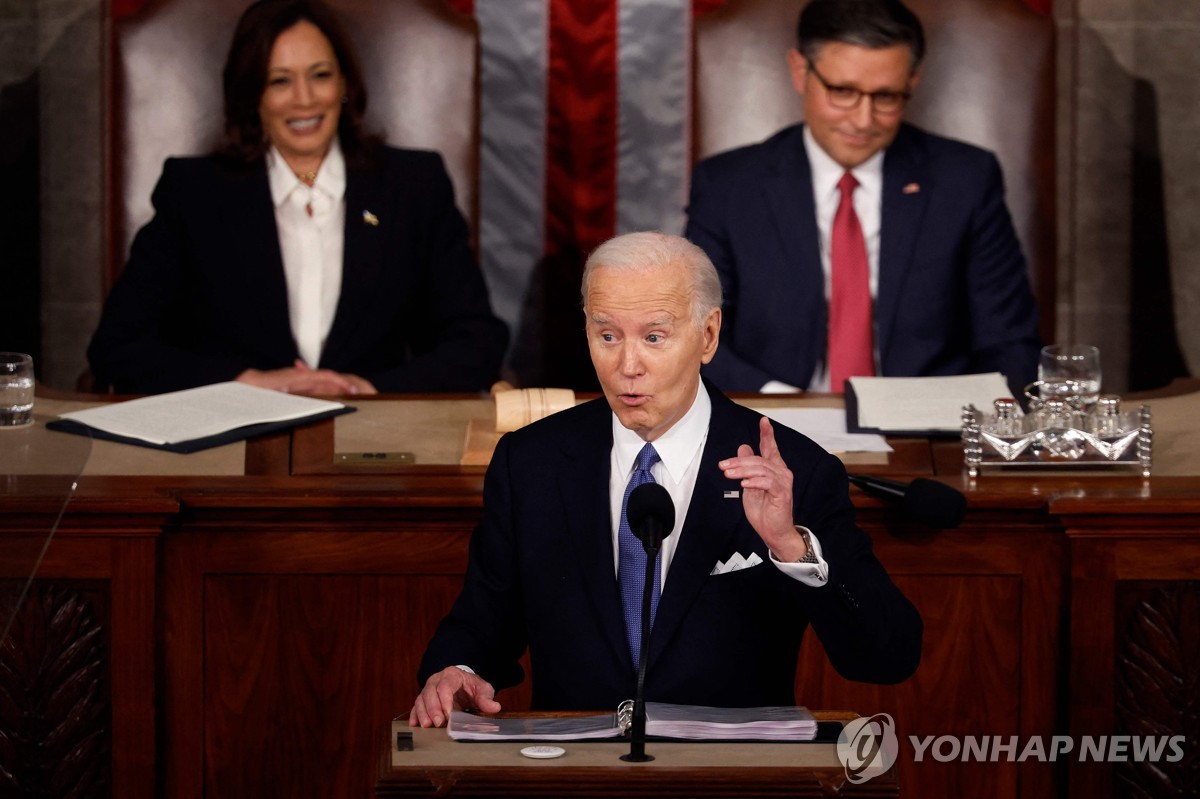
(814, 575)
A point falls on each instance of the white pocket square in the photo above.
(736, 563)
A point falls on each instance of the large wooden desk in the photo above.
(439, 766)
(249, 635)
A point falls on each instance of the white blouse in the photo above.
(311, 224)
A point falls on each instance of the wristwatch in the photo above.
(810, 555)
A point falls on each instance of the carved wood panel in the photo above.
(1158, 684)
(55, 694)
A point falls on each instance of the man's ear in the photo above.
(798, 69)
(914, 80)
(712, 335)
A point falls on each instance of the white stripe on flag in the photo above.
(652, 134)
(513, 56)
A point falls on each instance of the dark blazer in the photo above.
(204, 297)
(541, 575)
(953, 294)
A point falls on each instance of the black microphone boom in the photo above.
(926, 501)
(651, 514)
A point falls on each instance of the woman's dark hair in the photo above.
(245, 79)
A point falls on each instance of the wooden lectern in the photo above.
(440, 766)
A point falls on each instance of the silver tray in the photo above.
(1060, 447)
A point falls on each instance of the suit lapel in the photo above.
(708, 532)
(906, 189)
(258, 265)
(583, 489)
(793, 211)
(368, 215)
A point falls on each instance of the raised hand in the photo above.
(766, 483)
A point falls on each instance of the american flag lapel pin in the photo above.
(370, 219)
(731, 495)
(911, 188)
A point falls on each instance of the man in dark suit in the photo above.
(941, 288)
(764, 544)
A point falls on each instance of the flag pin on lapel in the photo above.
(912, 188)
(730, 495)
(370, 219)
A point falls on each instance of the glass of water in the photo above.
(16, 389)
(1070, 372)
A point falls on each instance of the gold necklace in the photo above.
(307, 178)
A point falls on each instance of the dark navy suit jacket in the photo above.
(953, 294)
(204, 297)
(541, 576)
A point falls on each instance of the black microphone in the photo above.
(926, 501)
(651, 515)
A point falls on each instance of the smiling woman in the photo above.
(302, 102)
(291, 61)
(304, 256)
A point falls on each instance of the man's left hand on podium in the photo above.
(452, 688)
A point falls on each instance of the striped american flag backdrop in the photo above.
(585, 132)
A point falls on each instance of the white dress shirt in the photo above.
(679, 451)
(311, 225)
(868, 204)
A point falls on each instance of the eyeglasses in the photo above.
(847, 97)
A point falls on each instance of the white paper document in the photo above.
(730, 723)
(924, 403)
(199, 412)
(692, 722)
(827, 427)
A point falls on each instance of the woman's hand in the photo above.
(303, 379)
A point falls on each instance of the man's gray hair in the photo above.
(648, 251)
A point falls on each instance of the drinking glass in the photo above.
(16, 389)
(1070, 372)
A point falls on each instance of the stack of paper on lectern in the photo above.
(197, 418)
(688, 722)
(827, 427)
(918, 405)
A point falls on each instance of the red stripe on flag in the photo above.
(704, 6)
(466, 7)
(581, 125)
(125, 8)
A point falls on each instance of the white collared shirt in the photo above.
(868, 205)
(679, 450)
(311, 245)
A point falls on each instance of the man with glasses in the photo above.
(857, 244)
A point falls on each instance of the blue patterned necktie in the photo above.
(631, 571)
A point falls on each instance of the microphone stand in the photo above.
(637, 737)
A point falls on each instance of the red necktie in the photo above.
(851, 343)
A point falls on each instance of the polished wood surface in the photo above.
(257, 631)
(439, 766)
